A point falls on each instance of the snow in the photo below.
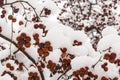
(92, 1)
(79, 51)
(54, 56)
(111, 70)
(81, 37)
(60, 36)
(6, 77)
(23, 75)
(33, 52)
(58, 39)
(112, 41)
(4, 53)
(23, 59)
(109, 31)
(83, 62)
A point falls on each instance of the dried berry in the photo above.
(3, 11)
(8, 65)
(21, 23)
(10, 17)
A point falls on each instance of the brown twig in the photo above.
(97, 62)
(26, 3)
(63, 74)
(11, 32)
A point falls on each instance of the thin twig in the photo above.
(41, 12)
(16, 51)
(97, 62)
(11, 32)
(63, 74)
(27, 4)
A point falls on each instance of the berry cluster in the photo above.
(33, 76)
(110, 57)
(44, 49)
(23, 40)
(51, 66)
(104, 66)
(77, 43)
(10, 17)
(40, 26)
(8, 65)
(47, 11)
(66, 64)
(20, 67)
(64, 54)
(3, 13)
(36, 38)
(85, 74)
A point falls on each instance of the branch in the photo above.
(96, 62)
(63, 74)
(25, 53)
(27, 4)
(16, 51)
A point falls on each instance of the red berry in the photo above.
(2, 16)
(79, 43)
(27, 38)
(8, 65)
(64, 49)
(75, 79)
(14, 20)
(36, 26)
(23, 34)
(16, 10)
(113, 56)
(27, 45)
(10, 17)
(105, 63)
(35, 74)
(33, 19)
(11, 68)
(36, 36)
(30, 73)
(105, 69)
(75, 41)
(104, 78)
(21, 23)
(107, 56)
(3, 11)
(41, 26)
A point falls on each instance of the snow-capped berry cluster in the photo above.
(23, 40)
